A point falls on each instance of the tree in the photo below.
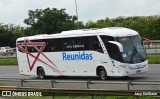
(9, 33)
(49, 21)
(148, 26)
(90, 24)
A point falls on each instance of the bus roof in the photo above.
(111, 31)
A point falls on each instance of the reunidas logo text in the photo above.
(78, 56)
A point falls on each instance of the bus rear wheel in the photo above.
(102, 73)
(41, 73)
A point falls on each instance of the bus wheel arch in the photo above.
(101, 73)
(41, 72)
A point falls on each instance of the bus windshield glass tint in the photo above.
(133, 49)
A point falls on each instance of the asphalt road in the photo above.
(152, 75)
(8, 56)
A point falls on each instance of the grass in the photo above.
(98, 97)
(1, 84)
(152, 59)
(8, 61)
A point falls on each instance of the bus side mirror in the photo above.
(118, 44)
(149, 42)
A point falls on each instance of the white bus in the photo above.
(102, 52)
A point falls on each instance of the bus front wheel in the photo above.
(41, 73)
(102, 73)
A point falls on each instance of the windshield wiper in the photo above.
(133, 54)
(140, 55)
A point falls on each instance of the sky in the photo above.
(15, 11)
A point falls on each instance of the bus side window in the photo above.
(90, 44)
(66, 44)
(78, 43)
(93, 44)
(52, 45)
(111, 48)
(113, 51)
(31, 49)
(21, 46)
(105, 40)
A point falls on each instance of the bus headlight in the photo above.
(125, 66)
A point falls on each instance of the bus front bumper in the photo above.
(128, 72)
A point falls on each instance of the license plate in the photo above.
(138, 71)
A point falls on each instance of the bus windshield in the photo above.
(133, 49)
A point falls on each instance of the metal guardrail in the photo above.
(66, 90)
(155, 44)
(87, 90)
(88, 83)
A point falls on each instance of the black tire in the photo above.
(102, 73)
(41, 73)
